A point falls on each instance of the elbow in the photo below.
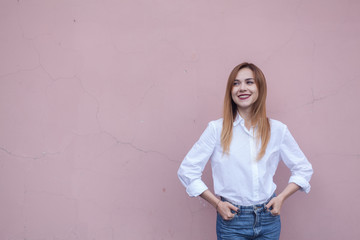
(309, 172)
(182, 177)
(180, 173)
(305, 171)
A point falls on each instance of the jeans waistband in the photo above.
(251, 207)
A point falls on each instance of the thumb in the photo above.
(269, 204)
(232, 207)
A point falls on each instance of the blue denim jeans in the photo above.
(251, 222)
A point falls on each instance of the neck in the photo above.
(245, 114)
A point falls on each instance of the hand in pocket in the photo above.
(224, 209)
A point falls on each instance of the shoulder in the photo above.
(276, 123)
(277, 126)
(216, 125)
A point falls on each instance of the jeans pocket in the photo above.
(272, 214)
(226, 222)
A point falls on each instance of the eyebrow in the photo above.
(246, 79)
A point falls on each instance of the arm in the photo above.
(191, 168)
(224, 208)
(301, 171)
(296, 161)
(278, 201)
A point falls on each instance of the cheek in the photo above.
(233, 93)
(256, 95)
(232, 97)
(256, 91)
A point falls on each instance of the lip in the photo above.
(244, 96)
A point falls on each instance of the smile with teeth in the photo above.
(244, 96)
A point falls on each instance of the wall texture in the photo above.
(101, 99)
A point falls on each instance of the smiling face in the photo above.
(244, 91)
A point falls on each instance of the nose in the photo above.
(242, 87)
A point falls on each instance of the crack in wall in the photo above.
(42, 155)
(153, 85)
(93, 97)
(139, 149)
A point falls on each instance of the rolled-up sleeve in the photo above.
(191, 168)
(296, 161)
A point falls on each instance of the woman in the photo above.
(245, 148)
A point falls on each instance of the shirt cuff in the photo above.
(303, 184)
(196, 188)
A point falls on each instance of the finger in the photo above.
(231, 216)
(232, 207)
(269, 204)
(275, 212)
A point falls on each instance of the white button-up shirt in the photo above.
(238, 176)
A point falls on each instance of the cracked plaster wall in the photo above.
(101, 100)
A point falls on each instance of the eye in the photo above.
(236, 83)
(249, 82)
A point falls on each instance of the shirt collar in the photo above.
(238, 120)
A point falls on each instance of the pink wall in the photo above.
(101, 100)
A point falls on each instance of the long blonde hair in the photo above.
(258, 116)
